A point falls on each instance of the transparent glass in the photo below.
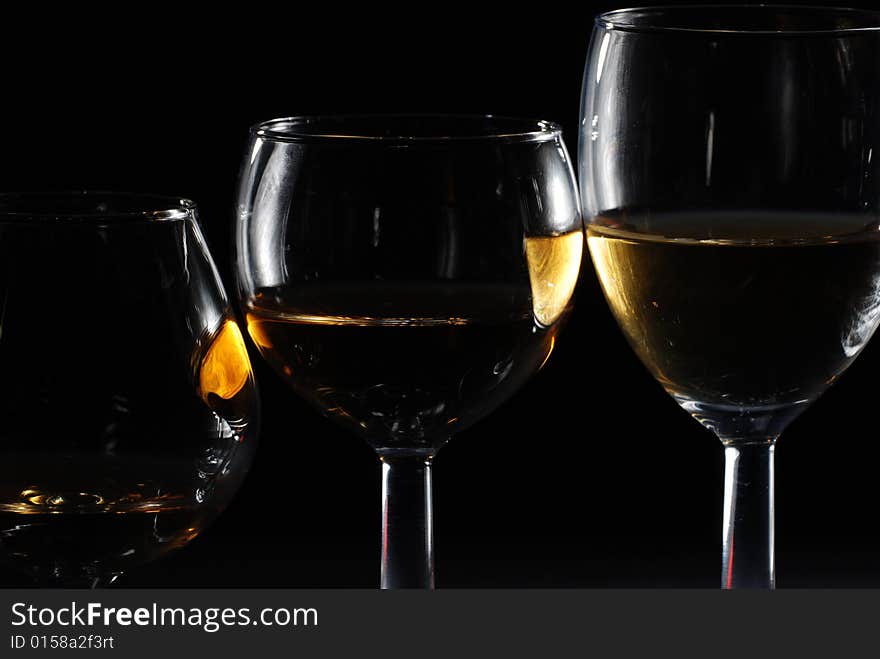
(405, 275)
(730, 179)
(128, 403)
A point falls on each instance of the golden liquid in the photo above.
(742, 323)
(225, 368)
(554, 263)
(102, 505)
(407, 364)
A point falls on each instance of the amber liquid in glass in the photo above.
(407, 364)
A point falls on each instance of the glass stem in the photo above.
(747, 555)
(407, 525)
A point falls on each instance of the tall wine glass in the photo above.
(406, 274)
(128, 404)
(729, 171)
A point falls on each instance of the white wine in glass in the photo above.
(733, 201)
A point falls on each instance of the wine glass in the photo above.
(729, 174)
(405, 275)
(129, 407)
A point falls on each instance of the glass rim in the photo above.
(93, 206)
(296, 128)
(870, 18)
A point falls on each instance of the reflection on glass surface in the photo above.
(554, 264)
(128, 403)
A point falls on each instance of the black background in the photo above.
(590, 476)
